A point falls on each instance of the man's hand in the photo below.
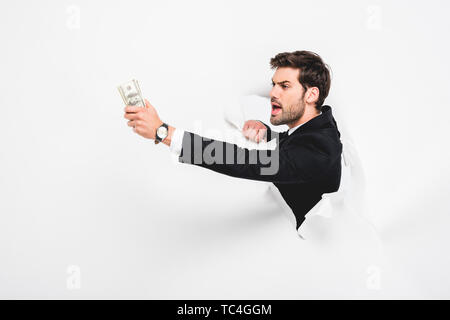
(255, 130)
(144, 121)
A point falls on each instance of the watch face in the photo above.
(162, 132)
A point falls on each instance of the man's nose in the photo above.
(274, 93)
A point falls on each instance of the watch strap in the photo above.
(158, 138)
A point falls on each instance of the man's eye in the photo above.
(283, 86)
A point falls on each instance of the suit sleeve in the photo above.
(299, 162)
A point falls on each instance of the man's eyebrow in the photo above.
(282, 81)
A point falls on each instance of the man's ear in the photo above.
(312, 95)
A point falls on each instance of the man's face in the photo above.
(287, 96)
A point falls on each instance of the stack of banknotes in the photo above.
(131, 94)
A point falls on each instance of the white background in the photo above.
(80, 191)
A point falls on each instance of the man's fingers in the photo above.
(132, 116)
(134, 123)
(261, 134)
(254, 130)
(249, 132)
(252, 134)
(255, 135)
(132, 109)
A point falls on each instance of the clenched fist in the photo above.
(144, 121)
(255, 130)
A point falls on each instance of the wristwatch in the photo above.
(161, 133)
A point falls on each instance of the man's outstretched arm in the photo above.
(298, 163)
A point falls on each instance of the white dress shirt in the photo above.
(177, 138)
(177, 141)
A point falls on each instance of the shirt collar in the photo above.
(291, 130)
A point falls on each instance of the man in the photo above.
(307, 159)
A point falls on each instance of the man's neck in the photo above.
(308, 115)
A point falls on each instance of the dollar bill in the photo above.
(131, 94)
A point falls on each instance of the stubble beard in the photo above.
(289, 114)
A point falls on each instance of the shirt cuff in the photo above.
(176, 142)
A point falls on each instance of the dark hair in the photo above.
(313, 71)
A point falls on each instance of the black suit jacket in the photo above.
(304, 165)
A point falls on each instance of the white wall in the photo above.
(79, 188)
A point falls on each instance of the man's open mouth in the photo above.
(276, 109)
